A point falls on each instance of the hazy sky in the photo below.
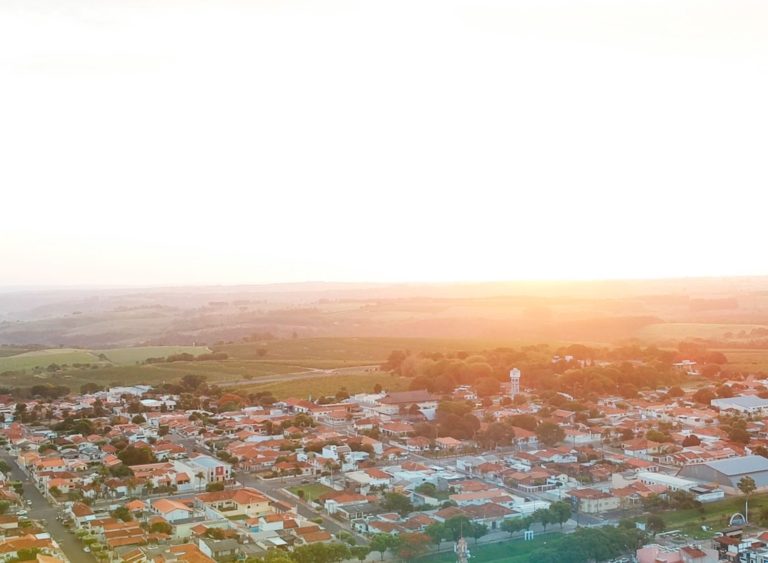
(233, 141)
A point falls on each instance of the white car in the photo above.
(87, 549)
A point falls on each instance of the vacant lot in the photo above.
(311, 490)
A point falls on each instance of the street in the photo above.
(40, 509)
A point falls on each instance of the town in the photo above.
(192, 473)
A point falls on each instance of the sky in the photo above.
(159, 142)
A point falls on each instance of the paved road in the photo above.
(41, 510)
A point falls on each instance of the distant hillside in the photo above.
(575, 311)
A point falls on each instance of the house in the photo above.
(220, 550)
(81, 513)
(655, 553)
(237, 502)
(592, 501)
(171, 510)
(489, 513)
(419, 401)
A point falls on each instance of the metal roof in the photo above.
(743, 401)
(740, 465)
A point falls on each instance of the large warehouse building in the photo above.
(728, 472)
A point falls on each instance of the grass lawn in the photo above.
(311, 490)
(512, 551)
(134, 355)
(322, 386)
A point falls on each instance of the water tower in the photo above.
(514, 382)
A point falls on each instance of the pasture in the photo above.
(44, 358)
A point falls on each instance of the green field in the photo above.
(322, 386)
(340, 352)
(311, 490)
(11, 351)
(715, 515)
(512, 551)
(138, 354)
(679, 331)
(748, 361)
(245, 362)
(44, 358)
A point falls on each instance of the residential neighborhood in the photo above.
(139, 474)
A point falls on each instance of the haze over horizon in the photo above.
(339, 141)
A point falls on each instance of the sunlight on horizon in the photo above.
(251, 142)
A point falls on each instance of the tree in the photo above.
(4, 506)
(561, 512)
(136, 456)
(747, 486)
(436, 531)
(412, 545)
(138, 419)
(397, 503)
(160, 528)
(549, 433)
(360, 552)
(738, 434)
(655, 524)
(513, 525)
(191, 382)
(456, 527)
(477, 530)
(213, 487)
(487, 386)
(675, 392)
(544, 517)
(704, 395)
(381, 543)
(692, 440)
(122, 513)
(90, 388)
